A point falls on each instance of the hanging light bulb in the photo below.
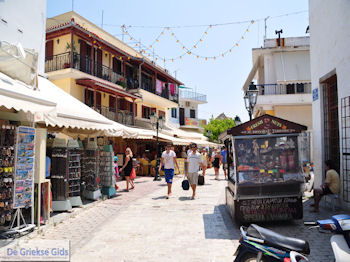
(242, 37)
(157, 40)
(206, 58)
(197, 56)
(194, 46)
(172, 60)
(150, 46)
(172, 34)
(201, 40)
(206, 32)
(177, 41)
(252, 21)
(237, 44)
(189, 52)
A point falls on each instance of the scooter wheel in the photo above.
(249, 257)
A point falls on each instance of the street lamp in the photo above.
(250, 98)
(157, 124)
(238, 121)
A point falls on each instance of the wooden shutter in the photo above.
(49, 50)
(98, 100)
(83, 56)
(112, 104)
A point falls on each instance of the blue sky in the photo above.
(220, 79)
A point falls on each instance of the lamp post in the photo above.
(238, 121)
(250, 98)
(157, 124)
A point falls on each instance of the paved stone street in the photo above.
(144, 226)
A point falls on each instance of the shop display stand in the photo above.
(106, 170)
(89, 173)
(74, 173)
(59, 180)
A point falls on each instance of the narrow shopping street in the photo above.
(144, 226)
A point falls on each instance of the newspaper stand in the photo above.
(265, 174)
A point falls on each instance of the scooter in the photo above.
(340, 242)
(263, 245)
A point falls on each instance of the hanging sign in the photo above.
(315, 94)
(24, 167)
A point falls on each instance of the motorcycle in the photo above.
(340, 242)
(263, 245)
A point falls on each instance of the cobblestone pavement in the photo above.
(144, 226)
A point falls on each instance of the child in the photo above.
(116, 171)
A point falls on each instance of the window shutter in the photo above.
(49, 50)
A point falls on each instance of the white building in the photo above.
(330, 66)
(186, 115)
(15, 27)
(281, 69)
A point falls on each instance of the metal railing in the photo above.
(284, 89)
(185, 94)
(121, 116)
(86, 65)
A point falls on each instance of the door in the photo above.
(98, 101)
(83, 54)
(112, 103)
(98, 63)
(182, 116)
(331, 121)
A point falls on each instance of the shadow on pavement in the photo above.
(184, 198)
(219, 225)
(159, 198)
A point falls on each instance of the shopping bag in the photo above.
(201, 180)
(133, 174)
(185, 184)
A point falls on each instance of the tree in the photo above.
(217, 126)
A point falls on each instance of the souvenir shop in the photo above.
(265, 170)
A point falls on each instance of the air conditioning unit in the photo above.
(187, 104)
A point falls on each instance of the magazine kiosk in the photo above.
(265, 174)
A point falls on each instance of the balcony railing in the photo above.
(185, 94)
(120, 116)
(86, 65)
(284, 89)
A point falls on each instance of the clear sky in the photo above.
(220, 79)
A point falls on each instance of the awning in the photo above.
(252, 74)
(16, 95)
(71, 113)
(174, 131)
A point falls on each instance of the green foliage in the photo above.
(217, 126)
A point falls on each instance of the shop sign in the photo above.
(191, 122)
(270, 209)
(266, 124)
(24, 167)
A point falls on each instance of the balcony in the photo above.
(121, 116)
(63, 61)
(194, 96)
(284, 89)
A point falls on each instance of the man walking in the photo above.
(168, 160)
(224, 160)
(194, 160)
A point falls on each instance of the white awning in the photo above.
(171, 130)
(251, 75)
(71, 113)
(16, 95)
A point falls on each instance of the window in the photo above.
(174, 112)
(117, 66)
(112, 103)
(146, 112)
(300, 88)
(89, 97)
(290, 89)
(192, 113)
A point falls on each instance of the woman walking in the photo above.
(216, 163)
(128, 168)
(204, 156)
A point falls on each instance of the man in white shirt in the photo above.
(194, 160)
(168, 160)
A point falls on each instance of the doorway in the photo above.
(182, 116)
(331, 121)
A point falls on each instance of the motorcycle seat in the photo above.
(277, 240)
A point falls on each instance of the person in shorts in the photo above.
(224, 160)
(331, 185)
(168, 161)
(194, 160)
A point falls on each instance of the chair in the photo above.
(333, 200)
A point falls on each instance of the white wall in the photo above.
(298, 114)
(188, 108)
(28, 16)
(330, 41)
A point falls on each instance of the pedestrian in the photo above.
(168, 161)
(330, 186)
(204, 156)
(128, 168)
(224, 160)
(216, 160)
(194, 162)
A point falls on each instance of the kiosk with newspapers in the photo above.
(265, 171)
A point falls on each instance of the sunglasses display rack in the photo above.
(74, 172)
(90, 175)
(106, 170)
(7, 169)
